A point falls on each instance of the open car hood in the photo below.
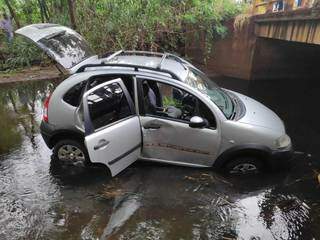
(62, 44)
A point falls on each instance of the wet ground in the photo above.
(151, 201)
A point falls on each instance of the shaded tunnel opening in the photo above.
(286, 78)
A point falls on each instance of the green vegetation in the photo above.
(156, 25)
(170, 101)
(19, 54)
(109, 25)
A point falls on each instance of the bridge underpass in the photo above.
(273, 45)
(277, 59)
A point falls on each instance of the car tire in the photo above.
(244, 165)
(70, 153)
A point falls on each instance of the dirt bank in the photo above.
(32, 73)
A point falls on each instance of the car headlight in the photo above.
(283, 141)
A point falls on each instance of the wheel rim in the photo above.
(244, 168)
(71, 155)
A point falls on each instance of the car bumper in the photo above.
(46, 130)
(281, 158)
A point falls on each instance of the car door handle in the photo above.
(101, 144)
(152, 126)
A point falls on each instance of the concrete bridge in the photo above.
(281, 39)
(297, 24)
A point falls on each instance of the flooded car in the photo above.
(152, 106)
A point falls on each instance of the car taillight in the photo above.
(45, 116)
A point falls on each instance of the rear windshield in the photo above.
(68, 49)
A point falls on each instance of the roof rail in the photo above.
(144, 53)
(135, 67)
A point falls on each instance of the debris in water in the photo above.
(207, 178)
(61, 222)
(317, 176)
(112, 193)
(197, 188)
(228, 238)
(190, 178)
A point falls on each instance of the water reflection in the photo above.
(216, 210)
(123, 210)
(272, 216)
(284, 215)
(20, 108)
(9, 136)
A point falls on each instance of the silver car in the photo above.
(151, 106)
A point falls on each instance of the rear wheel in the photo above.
(244, 165)
(71, 153)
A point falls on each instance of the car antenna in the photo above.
(113, 55)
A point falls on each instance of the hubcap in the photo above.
(244, 168)
(71, 155)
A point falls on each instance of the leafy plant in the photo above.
(20, 53)
(169, 101)
(156, 25)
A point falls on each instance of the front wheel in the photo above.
(71, 153)
(244, 165)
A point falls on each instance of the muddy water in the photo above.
(151, 201)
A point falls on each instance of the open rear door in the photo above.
(113, 132)
(62, 44)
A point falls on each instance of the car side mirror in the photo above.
(198, 122)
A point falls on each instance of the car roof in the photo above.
(168, 64)
(83, 76)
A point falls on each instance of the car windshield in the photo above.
(206, 86)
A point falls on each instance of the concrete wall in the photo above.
(231, 56)
(246, 56)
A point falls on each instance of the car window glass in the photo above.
(127, 80)
(74, 95)
(68, 49)
(107, 105)
(167, 101)
(206, 113)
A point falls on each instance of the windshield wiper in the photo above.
(233, 115)
(233, 103)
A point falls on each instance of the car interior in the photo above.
(107, 105)
(74, 95)
(159, 99)
(164, 100)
